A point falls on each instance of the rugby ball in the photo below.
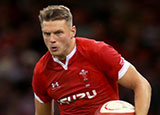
(117, 107)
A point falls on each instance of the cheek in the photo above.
(45, 38)
(64, 42)
(45, 41)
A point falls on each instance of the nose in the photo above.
(53, 38)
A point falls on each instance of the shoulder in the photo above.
(92, 47)
(85, 42)
(42, 63)
(39, 79)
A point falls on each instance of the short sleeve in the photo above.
(39, 88)
(123, 69)
(111, 62)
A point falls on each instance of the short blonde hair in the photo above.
(56, 12)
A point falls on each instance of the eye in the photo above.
(59, 32)
(46, 33)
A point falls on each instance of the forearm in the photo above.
(43, 108)
(141, 87)
(142, 98)
(42, 112)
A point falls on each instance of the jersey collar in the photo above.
(68, 57)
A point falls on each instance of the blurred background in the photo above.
(131, 26)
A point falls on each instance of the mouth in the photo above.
(54, 49)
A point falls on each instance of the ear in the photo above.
(73, 30)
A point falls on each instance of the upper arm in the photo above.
(133, 79)
(43, 108)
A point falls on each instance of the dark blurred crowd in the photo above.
(131, 26)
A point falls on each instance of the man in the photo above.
(81, 74)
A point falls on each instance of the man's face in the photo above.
(58, 37)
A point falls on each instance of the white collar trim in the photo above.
(68, 57)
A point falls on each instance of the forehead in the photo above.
(54, 25)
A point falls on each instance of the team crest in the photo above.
(84, 74)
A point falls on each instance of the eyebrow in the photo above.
(58, 31)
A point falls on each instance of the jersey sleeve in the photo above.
(39, 87)
(111, 62)
(123, 69)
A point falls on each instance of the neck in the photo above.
(69, 50)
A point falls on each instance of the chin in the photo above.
(54, 53)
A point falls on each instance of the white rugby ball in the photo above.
(117, 107)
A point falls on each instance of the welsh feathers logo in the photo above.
(84, 74)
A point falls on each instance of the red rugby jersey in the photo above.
(84, 82)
